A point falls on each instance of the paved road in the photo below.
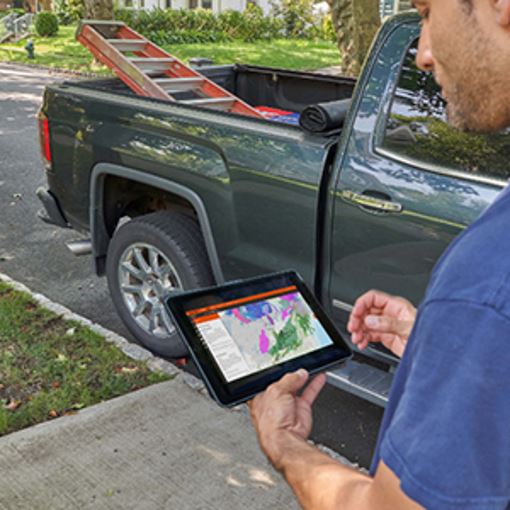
(35, 254)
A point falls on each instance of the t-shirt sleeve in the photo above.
(449, 440)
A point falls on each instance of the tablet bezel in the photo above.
(240, 390)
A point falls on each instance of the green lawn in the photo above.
(62, 51)
(50, 367)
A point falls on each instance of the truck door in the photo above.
(407, 183)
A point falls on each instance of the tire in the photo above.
(149, 257)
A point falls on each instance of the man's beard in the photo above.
(480, 111)
(479, 100)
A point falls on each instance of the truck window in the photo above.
(417, 131)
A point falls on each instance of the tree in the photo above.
(356, 23)
(46, 5)
(99, 9)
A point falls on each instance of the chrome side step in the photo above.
(362, 380)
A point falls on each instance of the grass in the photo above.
(63, 51)
(284, 53)
(50, 367)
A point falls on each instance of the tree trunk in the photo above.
(356, 23)
(99, 9)
(46, 5)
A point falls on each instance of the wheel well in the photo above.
(116, 193)
(124, 197)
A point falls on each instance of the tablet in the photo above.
(247, 334)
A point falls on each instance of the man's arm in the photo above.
(319, 482)
(283, 422)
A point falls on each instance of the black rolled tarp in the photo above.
(322, 117)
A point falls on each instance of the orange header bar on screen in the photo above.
(240, 301)
(206, 318)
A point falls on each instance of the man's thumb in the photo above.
(294, 381)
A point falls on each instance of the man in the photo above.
(445, 438)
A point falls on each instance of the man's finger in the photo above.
(371, 302)
(385, 324)
(382, 323)
(293, 382)
(313, 389)
(373, 299)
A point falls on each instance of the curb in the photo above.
(139, 353)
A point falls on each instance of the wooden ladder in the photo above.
(150, 71)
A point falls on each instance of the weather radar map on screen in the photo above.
(251, 334)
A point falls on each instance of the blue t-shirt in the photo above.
(446, 430)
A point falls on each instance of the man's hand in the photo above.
(279, 414)
(379, 317)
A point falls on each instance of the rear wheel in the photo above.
(148, 258)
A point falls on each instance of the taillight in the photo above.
(44, 137)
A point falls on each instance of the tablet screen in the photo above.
(246, 334)
(253, 333)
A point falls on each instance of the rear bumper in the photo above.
(51, 213)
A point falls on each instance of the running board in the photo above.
(362, 380)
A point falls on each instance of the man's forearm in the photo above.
(319, 481)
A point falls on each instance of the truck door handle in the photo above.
(372, 201)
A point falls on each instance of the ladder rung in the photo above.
(150, 76)
(128, 44)
(219, 103)
(179, 84)
(151, 64)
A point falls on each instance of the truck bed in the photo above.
(259, 86)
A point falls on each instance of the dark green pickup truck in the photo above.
(169, 195)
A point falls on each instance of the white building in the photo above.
(217, 6)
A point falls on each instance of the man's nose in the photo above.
(424, 58)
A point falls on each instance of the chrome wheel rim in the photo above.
(146, 277)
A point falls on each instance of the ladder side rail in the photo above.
(125, 32)
(179, 69)
(139, 81)
(115, 60)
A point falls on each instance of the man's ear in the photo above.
(503, 10)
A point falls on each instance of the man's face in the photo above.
(468, 50)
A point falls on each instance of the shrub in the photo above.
(298, 18)
(46, 24)
(250, 25)
(163, 37)
(17, 10)
(201, 25)
(68, 11)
